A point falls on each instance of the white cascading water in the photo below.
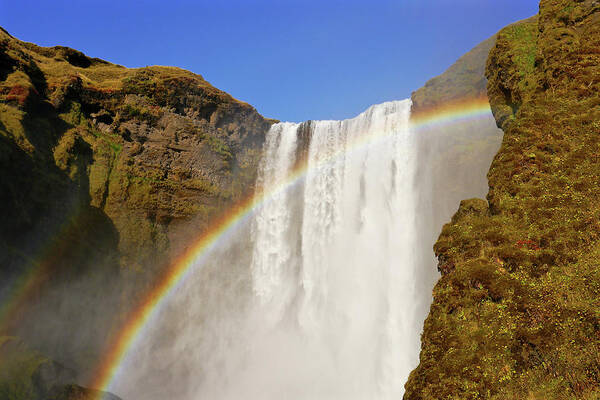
(323, 295)
(273, 263)
(343, 288)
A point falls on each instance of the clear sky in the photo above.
(291, 59)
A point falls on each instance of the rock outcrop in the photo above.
(105, 173)
(146, 147)
(515, 312)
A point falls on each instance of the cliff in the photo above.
(146, 147)
(455, 155)
(463, 81)
(106, 172)
(515, 312)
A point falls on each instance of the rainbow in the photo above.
(24, 286)
(451, 113)
(37, 271)
(237, 215)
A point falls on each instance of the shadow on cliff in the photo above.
(59, 271)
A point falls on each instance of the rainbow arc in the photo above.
(221, 228)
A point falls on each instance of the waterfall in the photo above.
(272, 260)
(323, 294)
(346, 292)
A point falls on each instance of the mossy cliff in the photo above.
(516, 312)
(105, 174)
(147, 147)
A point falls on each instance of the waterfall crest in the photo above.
(348, 286)
(322, 295)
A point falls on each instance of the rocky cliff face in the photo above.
(147, 147)
(515, 313)
(105, 173)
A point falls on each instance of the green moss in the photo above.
(73, 114)
(523, 38)
(113, 141)
(515, 313)
(219, 146)
(140, 112)
(150, 180)
(11, 119)
(18, 78)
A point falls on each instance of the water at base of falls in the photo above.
(322, 295)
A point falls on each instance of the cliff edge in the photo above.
(106, 173)
(516, 310)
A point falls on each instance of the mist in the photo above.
(323, 293)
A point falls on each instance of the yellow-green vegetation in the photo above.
(101, 167)
(516, 313)
(219, 146)
(524, 54)
(146, 145)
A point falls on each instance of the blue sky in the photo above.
(291, 59)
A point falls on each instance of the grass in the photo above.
(220, 147)
(140, 113)
(523, 38)
(516, 310)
